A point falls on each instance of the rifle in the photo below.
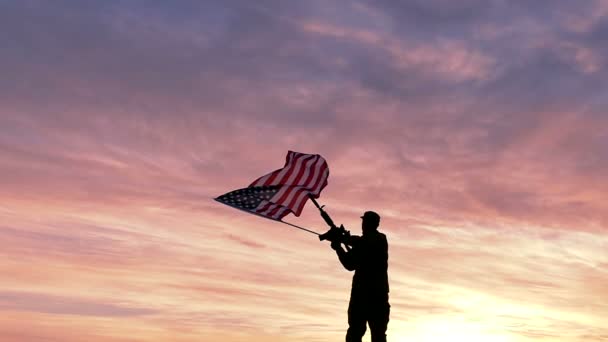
(334, 233)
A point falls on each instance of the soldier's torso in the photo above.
(370, 280)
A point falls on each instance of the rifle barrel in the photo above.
(315, 202)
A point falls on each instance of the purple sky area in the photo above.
(477, 129)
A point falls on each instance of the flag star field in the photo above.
(476, 129)
(248, 198)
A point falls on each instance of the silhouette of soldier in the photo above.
(367, 255)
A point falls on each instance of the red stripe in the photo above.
(298, 205)
(288, 160)
(260, 181)
(315, 191)
(281, 214)
(297, 201)
(293, 162)
(296, 192)
(264, 208)
(296, 165)
(319, 186)
(288, 163)
(306, 185)
(289, 169)
(302, 169)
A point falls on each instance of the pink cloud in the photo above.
(478, 134)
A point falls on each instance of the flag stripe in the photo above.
(289, 193)
(297, 191)
(282, 191)
(285, 172)
(263, 207)
(278, 176)
(299, 200)
(281, 213)
(315, 193)
(310, 181)
(310, 172)
(314, 189)
(271, 176)
(295, 167)
(262, 204)
(301, 192)
(270, 209)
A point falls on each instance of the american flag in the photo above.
(282, 191)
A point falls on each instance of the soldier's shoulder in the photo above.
(384, 239)
(380, 236)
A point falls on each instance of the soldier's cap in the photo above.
(371, 215)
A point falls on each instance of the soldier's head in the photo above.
(371, 221)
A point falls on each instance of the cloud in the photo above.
(476, 129)
(37, 302)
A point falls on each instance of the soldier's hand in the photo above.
(335, 245)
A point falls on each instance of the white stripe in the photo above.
(260, 206)
(279, 213)
(275, 198)
(316, 180)
(296, 169)
(286, 169)
(272, 207)
(309, 168)
(282, 190)
(263, 179)
(317, 187)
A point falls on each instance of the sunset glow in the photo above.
(477, 130)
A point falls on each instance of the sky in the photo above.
(477, 129)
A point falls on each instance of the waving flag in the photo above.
(282, 191)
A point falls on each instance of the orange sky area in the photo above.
(477, 131)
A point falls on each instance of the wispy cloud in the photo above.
(477, 129)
